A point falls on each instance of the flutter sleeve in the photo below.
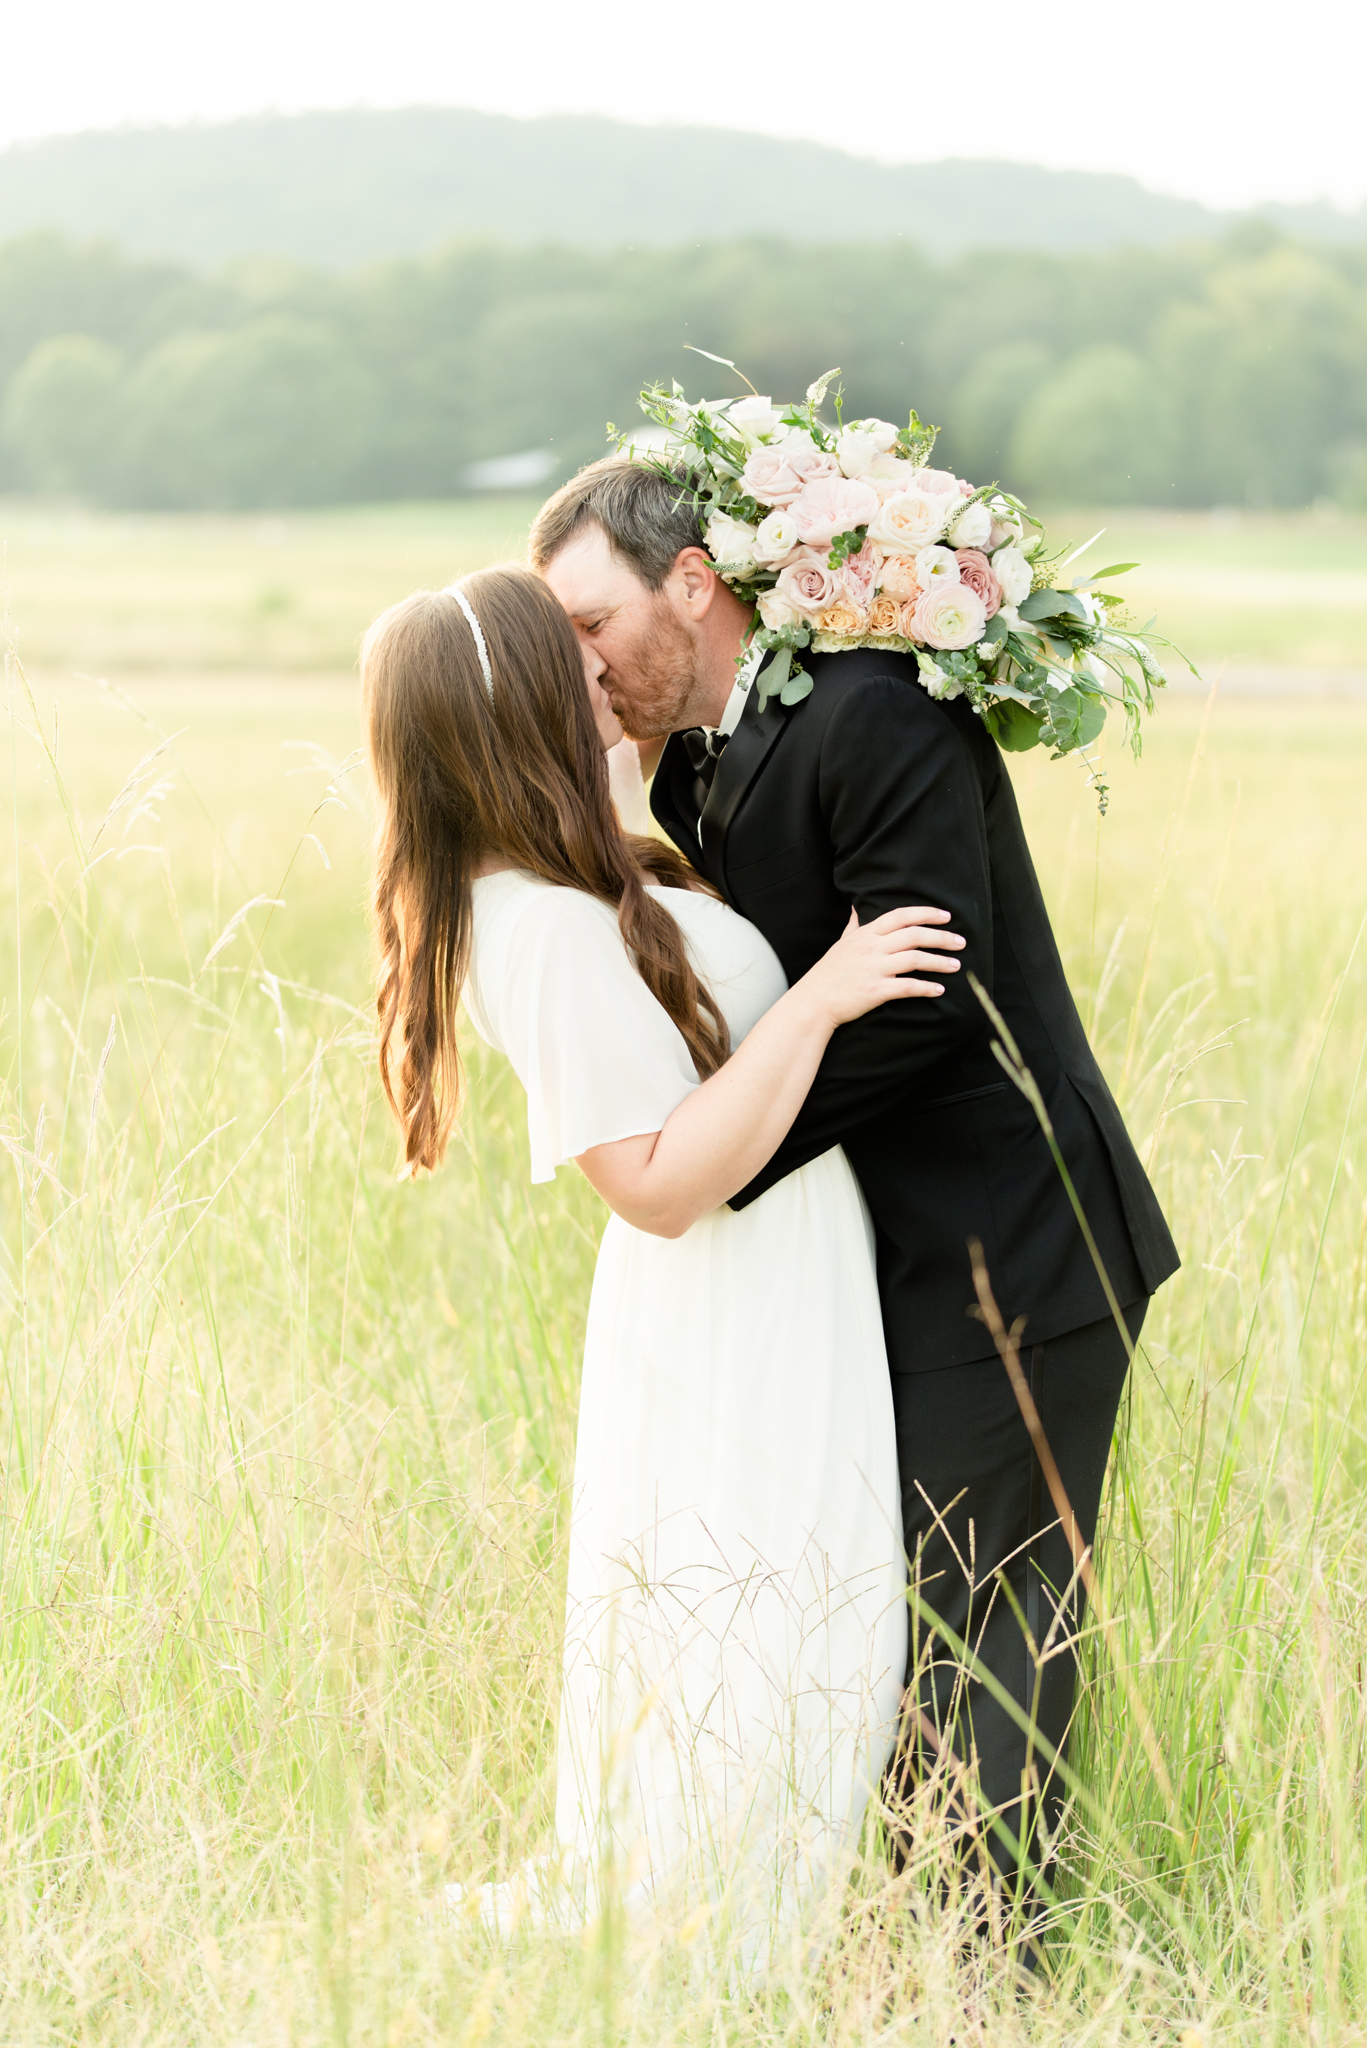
(599, 1058)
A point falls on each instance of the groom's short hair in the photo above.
(648, 515)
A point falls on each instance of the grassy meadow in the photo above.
(197, 595)
(286, 1444)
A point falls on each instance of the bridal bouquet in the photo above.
(841, 536)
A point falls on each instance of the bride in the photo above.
(735, 1624)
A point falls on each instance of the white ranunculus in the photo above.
(972, 528)
(936, 565)
(1014, 574)
(1006, 524)
(775, 538)
(936, 682)
(754, 419)
(883, 432)
(731, 542)
(856, 451)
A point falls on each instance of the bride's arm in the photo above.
(727, 1129)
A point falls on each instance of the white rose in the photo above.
(776, 610)
(796, 438)
(775, 538)
(936, 565)
(909, 521)
(754, 419)
(856, 451)
(731, 543)
(1014, 574)
(972, 528)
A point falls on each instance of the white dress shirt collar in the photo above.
(740, 693)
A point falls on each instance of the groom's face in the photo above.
(641, 637)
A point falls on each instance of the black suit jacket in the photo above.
(872, 793)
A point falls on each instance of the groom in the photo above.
(870, 792)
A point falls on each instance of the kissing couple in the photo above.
(812, 1560)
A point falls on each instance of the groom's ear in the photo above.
(694, 578)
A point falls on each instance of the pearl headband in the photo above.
(454, 590)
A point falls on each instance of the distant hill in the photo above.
(345, 188)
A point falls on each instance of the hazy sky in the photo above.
(1222, 101)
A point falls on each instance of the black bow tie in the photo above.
(704, 750)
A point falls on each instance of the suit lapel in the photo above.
(670, 799)
(746, 752)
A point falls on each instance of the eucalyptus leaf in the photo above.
(1049, 604)
(773, 677)
(798, 686)
(1091, 719)
(1014, 728)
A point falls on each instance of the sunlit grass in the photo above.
(143, 594)
(285, 1443)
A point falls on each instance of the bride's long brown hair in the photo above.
(523, 779)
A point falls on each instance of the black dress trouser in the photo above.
(976, 1512)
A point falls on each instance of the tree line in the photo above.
(1232, 372)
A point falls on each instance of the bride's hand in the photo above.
(876, 963)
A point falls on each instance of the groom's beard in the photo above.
(653, 680)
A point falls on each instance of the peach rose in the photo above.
(777, 475)
(842, 619)
(906, 619)
(898, 577)
(885, 614)
(832, 505)
(910, 521)
(976, 571)
(807, 583)
(950, 615)
(859, 575)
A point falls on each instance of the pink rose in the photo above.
(832, 505)
(976, 571)
(808, 584)
(859, 575)
(776, 475)
(949, 615)
(937, 481)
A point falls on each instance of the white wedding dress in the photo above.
(736, 1624)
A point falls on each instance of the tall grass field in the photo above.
(287, 1444)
